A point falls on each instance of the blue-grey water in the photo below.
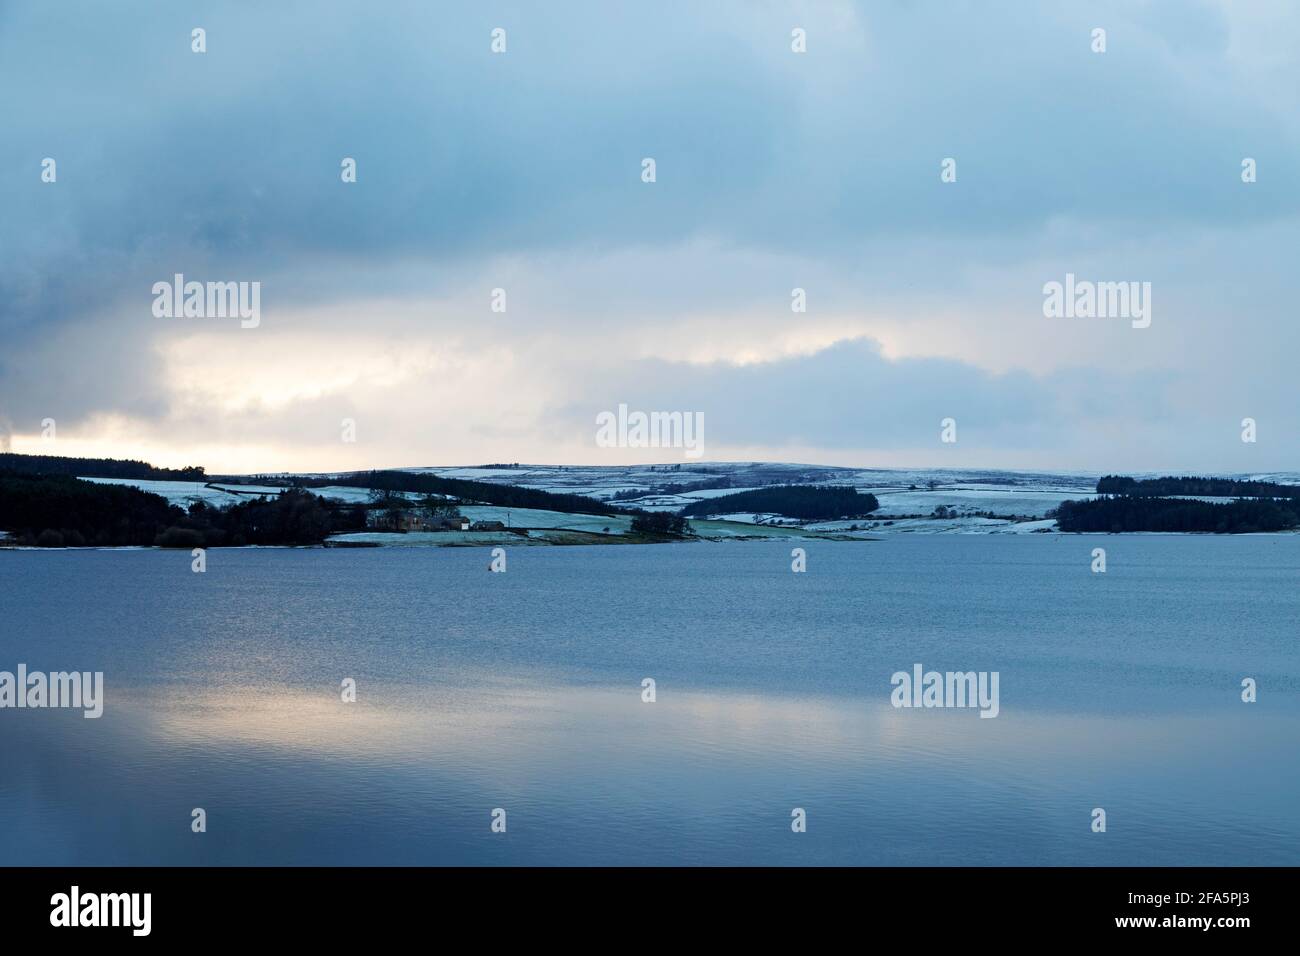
(523, 691)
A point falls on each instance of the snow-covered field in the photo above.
(999, 501)
(536, 518)
(722, 529)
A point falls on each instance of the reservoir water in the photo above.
(523, 691)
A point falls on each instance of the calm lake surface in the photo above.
(523, 691)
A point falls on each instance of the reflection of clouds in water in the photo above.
(384, 721)
(595, 775)
(403, 722)
(516, 720)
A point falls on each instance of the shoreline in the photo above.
(337, 545)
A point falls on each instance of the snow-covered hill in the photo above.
(968, 501)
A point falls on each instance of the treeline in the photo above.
(1187, 485)
(293, 517)
(1136, 513)
(96, 468)
(54, 510)
(485, 492)
(660, 523)
(804, 502)
(61, 511)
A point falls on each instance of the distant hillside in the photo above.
(802, 502)
(96, 468)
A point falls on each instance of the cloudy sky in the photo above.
(775, 170)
